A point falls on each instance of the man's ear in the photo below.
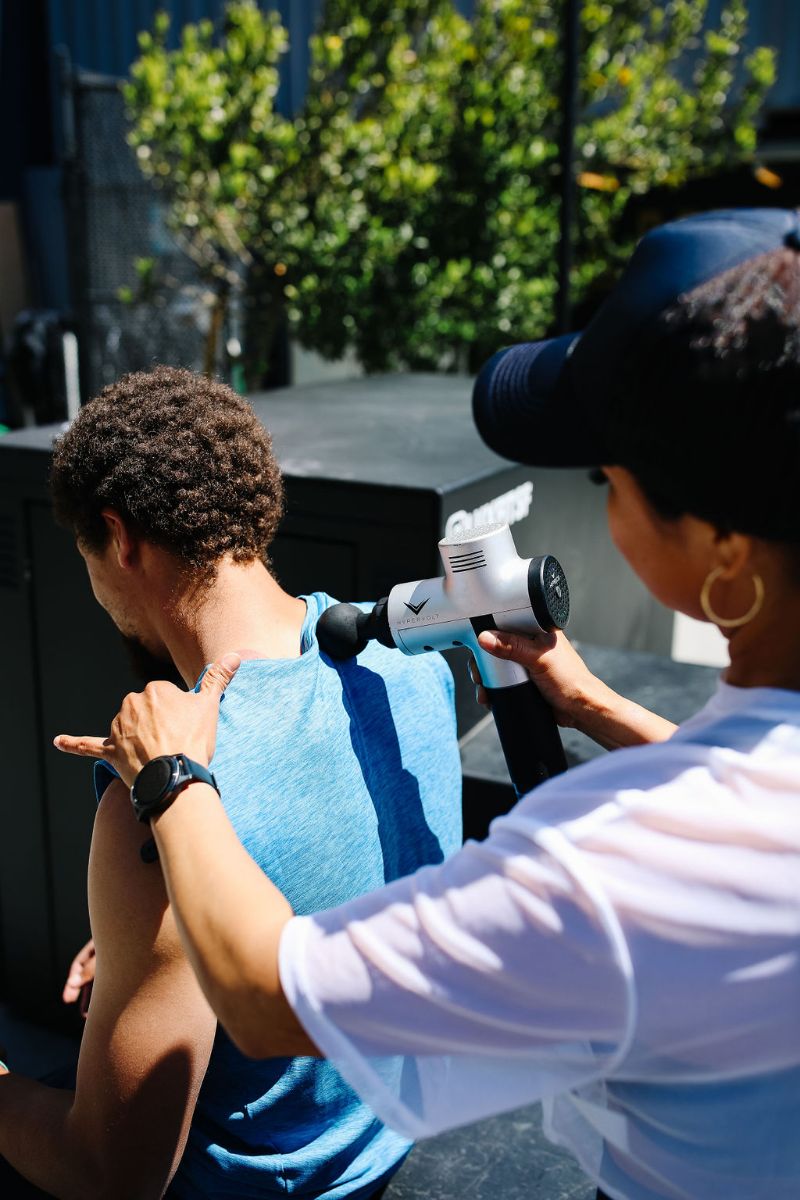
(123, 541)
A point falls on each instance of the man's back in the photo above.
(337, 777)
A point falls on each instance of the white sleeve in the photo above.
(496, 979)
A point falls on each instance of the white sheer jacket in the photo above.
(624, 946)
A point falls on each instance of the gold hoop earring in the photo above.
(730, 622)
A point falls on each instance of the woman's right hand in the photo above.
(554, 665)
(579, 699)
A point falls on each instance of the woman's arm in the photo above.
(578, 698)
(230, 917)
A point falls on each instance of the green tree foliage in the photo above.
(206, 130)
(410, 211)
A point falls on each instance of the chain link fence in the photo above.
(127, 319)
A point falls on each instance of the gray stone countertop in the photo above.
(673, 690)
(502, 1158)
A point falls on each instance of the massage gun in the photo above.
(486, 585)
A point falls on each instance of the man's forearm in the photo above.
(38, 1141)
(230, 917)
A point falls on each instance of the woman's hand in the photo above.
(578, 698)
(160, 720)
(558, 671)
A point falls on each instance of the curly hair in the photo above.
(706, 414)
(182, 457)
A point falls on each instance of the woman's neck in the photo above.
(766, 652)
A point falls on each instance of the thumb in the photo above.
(219, 675)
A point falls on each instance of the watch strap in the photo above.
(194, 772)
(185, 771)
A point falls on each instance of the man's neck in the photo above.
(241, 609)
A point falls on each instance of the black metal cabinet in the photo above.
(379, 469)
(69, 670)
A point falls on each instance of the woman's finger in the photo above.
(517, 647)
(86, 747)
(219, 675)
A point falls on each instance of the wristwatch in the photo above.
(160, 780)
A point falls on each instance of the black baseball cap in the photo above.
(544, 403)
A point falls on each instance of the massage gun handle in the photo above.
(528, 735)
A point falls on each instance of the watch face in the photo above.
(153, 780)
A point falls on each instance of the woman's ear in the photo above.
(733, 554)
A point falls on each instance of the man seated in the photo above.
(351, 779)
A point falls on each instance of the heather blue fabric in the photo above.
(337, 777)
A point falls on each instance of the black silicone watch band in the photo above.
(186, 771)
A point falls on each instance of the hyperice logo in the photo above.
(416, 608)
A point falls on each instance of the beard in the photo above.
(148, 666)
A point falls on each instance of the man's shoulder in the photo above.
(116, 830)
(417, 672)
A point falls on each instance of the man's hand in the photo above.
(81, 974)
(160, 720)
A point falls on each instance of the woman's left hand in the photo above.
(160, 720)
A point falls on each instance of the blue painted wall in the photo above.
(774, 23)
(101, 34)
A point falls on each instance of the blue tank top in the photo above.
(337, 777)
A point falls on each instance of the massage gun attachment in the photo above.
(486, 585)
(343, 630)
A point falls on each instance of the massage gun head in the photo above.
(548, 592)
(344, 630)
